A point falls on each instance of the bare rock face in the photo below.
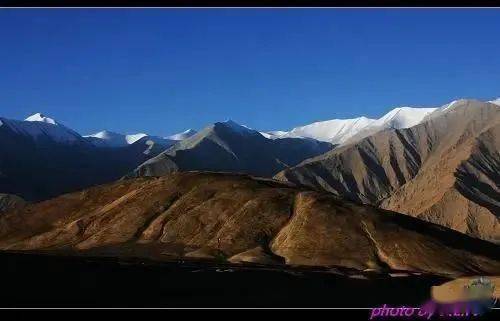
(10, 202)
(444, 170)
(244, 219)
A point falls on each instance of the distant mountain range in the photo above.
(41, 158)
(437, 164)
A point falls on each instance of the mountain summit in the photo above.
(41, 129)
(398, 118)
(41, 118)
(402, 117)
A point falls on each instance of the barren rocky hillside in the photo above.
(241, 219)
(444, 170)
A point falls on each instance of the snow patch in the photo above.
(267, 135)
(276, 134)
(334, 131)
(449, 105)
(181, 136)
(496, 101)
(150, 145)
(134, 137)
(113, 139)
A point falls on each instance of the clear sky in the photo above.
(164, 70)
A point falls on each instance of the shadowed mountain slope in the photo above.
(230, 147)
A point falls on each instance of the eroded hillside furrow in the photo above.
(381, 257)
(411, 154)
(160, 209)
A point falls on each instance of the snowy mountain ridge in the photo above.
(339, 131)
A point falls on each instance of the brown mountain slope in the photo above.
(243, 219)
(444, 170)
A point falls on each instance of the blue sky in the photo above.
(165, 70)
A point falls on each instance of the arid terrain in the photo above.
(237, 218)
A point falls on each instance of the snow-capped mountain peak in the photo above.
(41, 118)
(402, 117)
(105, 134)
(112, 139)
(134, 137)
(42, 128)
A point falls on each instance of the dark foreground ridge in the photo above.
(35, 280)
